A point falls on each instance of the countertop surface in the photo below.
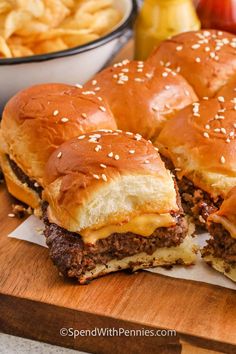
(11, 345)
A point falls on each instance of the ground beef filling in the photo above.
(24, 178)
(195, 202)
(221, 245)
(73, 258)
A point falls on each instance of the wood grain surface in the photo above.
(35, 302)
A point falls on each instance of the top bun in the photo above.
(201, 143)
(39, 119)
(106, 178)
(206, 58)
(142, 97)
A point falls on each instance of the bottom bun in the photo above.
(16, 188)
(221, 266)
(184, 254)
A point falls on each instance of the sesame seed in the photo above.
(146, 161)
(104, 177)
(125, 70)
(217, 130)
(110, 154)
(148, 75)
(227, 140)
(231, 134)
(205, 98)
(138, 137)
(212, 55)
(206, 135)
(94, 82)
(155, 109)
(195, 46)
(131, 151)
(11, 215)
(59, 155)
(222, 159)
(139, 70)
(99, 98)
(81, 137)
(198, 60)
(207, 49)
(115, 76)
(79, 86)
(103, 109)
(234, 125)
(138, 79)
(64, 120)
(120, 82)
(98, 148)
(97, 89)
(221, 99)
(207, 126)
(128, 133)
(117, 157)
(56, 112)
(156, 149)
(167, 87)
(165, 74)
(84, 115)
(179, 48)
(102, 165)
(36, 184)
(96, 176)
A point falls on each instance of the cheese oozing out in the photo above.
(143, 225)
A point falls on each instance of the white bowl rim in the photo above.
(76, 50)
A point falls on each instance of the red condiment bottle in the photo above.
(220, 14)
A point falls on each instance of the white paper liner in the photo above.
(31, 230)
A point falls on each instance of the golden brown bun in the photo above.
(201, 143)
(207, 59)
(142, 98)
(229, 90)
(106, 178)
(39, 119)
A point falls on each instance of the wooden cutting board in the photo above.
(36, 303)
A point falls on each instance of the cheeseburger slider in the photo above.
(220, 252)
(206, 59)
(200, 145)
(142, 98)
(112, 205)
(35, 122)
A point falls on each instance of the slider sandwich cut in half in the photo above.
(220, 251)
(142, 97)
(35, 122)
(205, 58)
(200, 145)
(110, 205)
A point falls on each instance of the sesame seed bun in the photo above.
(142, 98)
(200, 141)
(106, 178)
(39, 119)
(207, 59)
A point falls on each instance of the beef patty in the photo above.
(73, 257)
(195, 202)
(221, 245)
(24, 178)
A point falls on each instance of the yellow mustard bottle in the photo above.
(161, 19)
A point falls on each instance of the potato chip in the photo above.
(4, 49)
(15, 20)
(5, 6)
(20, 50)
(29, 27)
(49, 46)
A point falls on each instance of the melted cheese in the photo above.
(143, 225)
(228, 225)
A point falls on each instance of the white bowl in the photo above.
(75, 65)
